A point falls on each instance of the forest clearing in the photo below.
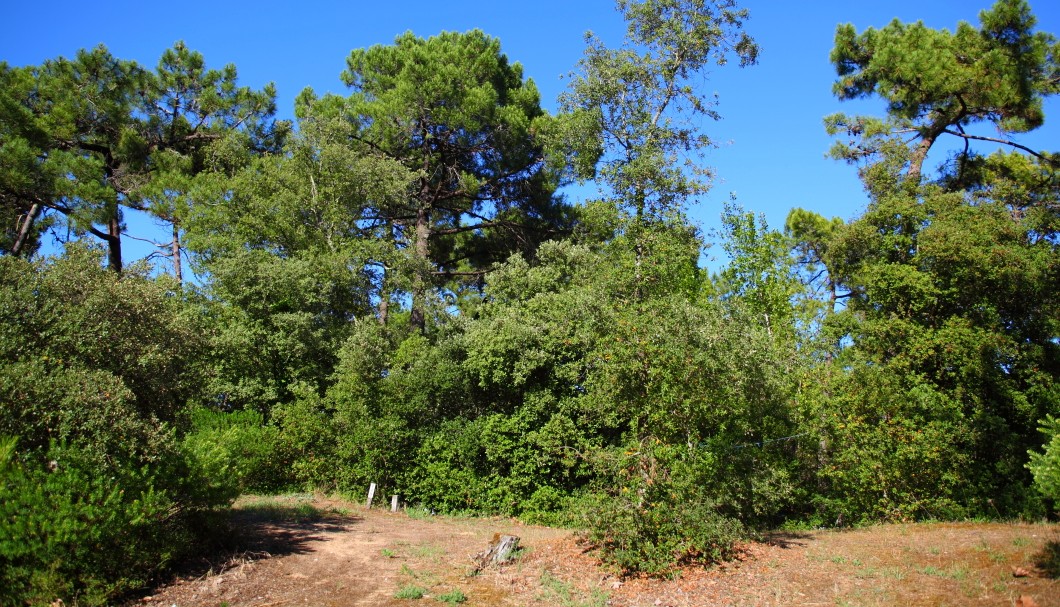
(314, 551)
(433, 284)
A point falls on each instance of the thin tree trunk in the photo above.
(829, 312)
(25, 228)
(638, 246)
(384, 299)
(113, 239)
(177, 273)
(113, 235)
(420, 279)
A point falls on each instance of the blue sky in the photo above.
(773, 143)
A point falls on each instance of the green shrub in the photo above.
(1045, 466)
(67, 532)
(47, 400)
(72, 313)
(661, 531)
(453, 597)
(238, 450)
(95, 373)
(659, 508)
(894, 452)
(410, 591)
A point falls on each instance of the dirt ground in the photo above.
(311, 551)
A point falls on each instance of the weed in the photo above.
(419, 512)
(897, 573)
(272, 510)
(453, 597)
(388, 553)
(428, 551)
(1020, 542)
(425, 577)
(410, 591)
(956, 572)
(991, 554)
(867, 573)
(839, 560)
(972, 590)
(558, 592)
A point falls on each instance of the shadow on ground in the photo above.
(257, 531)
(1048, 560)
(785, 539)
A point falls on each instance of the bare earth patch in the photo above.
(322, 552)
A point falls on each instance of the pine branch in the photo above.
(1007, 142)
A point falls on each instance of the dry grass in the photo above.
(926, 564)
(330, 552)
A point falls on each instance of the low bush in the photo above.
(1045, 466)
(97, 494)
(238, 452)
(658, 533)
(68, 532)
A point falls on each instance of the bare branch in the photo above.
(1007, 142)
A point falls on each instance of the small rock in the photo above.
(1020, 572)
(1026, 601)
(616, 585)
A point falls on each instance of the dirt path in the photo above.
(329, 553)
(315, 552)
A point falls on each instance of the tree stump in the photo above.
(499, 552)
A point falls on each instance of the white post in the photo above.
(371, 495)
(393, 503)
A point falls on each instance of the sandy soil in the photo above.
(321, 552)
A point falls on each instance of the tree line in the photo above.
(394, 290)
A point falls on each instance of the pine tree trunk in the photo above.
(920, 152)
(175, 245)
(384, 298)
(113, 240)
(384, 307)
(421, 279)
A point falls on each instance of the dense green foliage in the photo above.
(1046, 466)
(950, 281)
(91, 136)
(98, 492)
(392, 293)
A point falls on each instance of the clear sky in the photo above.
(773, 143)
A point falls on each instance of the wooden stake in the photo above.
(371, 495)
(393, 503)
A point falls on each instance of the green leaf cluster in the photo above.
(98, 493)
